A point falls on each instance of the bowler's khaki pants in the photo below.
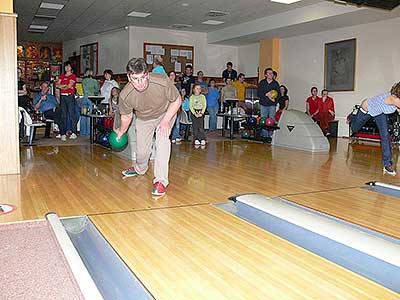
(144, 138)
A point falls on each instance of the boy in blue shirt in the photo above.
(212, 105)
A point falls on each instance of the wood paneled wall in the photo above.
(9, 142)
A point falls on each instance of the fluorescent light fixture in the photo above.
(138, 14)
(285, 1)
(51, 5)
(213, 22)
(38, 27)
(45, 17)
(185, 4)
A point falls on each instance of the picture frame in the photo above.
(340, 65)
(89, 57)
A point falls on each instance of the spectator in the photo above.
(198, 105)
(113, 105)
(212, 105)
(47, 104)
(172, 76)
(312, 104)
(228, 92)
(275, 74)
(158, 66)
(203, 84)
(283, 102)
(267, 100)
(23, 100)
(66, 83)
(108, 84)
(187, 80)
(326, 110)
(90, 86)
(240, 86)
(229, 72)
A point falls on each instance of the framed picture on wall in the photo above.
(89, 57)
(340, 65)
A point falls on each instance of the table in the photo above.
(231, 117)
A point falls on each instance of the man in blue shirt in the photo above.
(158, 65)
(47, 103)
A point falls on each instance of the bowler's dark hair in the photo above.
(395, 91)
(136, 66)
(108, 71)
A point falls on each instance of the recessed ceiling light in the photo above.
(138, 14)
(45, 17)
(213, 22)
(285, 1)
(38, 27)
(51, 5)
(185, 4)
(181, 26)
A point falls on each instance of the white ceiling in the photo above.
(248, 20)
(83, 17)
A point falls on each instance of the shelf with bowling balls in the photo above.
(254, 126)
(102, 129)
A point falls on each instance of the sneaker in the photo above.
(73, 136)
(178, 140)
(203, 142)
(158, 189)
(173, 141)
(55, 128)
(58, 136)
(129, 172)
(197, 142)
(389, 170)
(63, 137)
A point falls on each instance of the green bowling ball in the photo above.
(118, 144)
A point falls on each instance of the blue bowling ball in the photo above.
(252, 121)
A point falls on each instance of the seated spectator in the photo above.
(47, 103)
(312, 104)
(283, 102)
(326, 110)
(158, 66)
(229, 72)
(203, 84)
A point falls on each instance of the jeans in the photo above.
(212, 114)
(267, 112)
(68, 108)
(198, 128)
(357, 121)
(176, 129)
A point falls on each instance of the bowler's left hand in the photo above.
(164, 128)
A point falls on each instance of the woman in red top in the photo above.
(326, 110)
(312, 104)
(66, 83)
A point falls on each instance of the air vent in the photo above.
(216, 13)
(181, 26)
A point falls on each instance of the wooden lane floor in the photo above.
(79, 180)
(369, 209)
(202, 252)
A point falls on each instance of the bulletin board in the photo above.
(175, 57)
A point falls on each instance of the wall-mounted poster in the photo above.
(32, 51)
(89, 57)
(45, 53)
(57, 54)
(340, 65)
(20, 51)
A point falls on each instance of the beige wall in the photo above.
(6, 6)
